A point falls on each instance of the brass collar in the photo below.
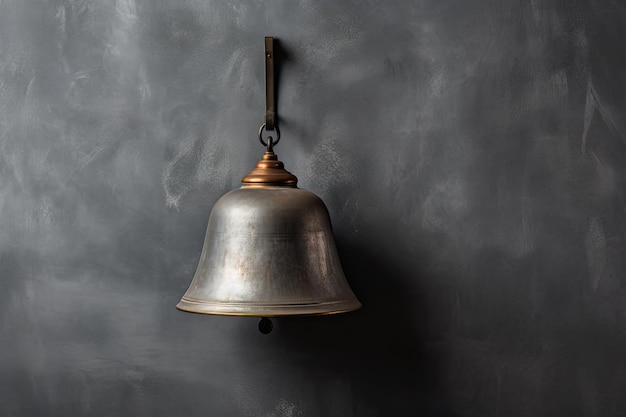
(270, 171)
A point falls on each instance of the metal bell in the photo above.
(269, 251)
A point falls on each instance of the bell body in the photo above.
(269, 251)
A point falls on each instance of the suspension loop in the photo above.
(271, 142)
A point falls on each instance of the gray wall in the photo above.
(472, 155)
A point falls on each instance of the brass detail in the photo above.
(270, 171)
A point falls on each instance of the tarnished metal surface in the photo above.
(269, 251)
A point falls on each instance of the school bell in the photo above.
(269, 248)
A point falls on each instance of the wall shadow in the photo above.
(283, 57)
(383, 349)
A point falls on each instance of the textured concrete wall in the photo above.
(472, 155)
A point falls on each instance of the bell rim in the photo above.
(247, 309)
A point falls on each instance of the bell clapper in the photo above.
(265, 325)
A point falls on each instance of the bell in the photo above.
(269, 251)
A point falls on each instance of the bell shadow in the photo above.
(382, 349)
(285, 57)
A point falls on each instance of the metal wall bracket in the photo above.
(270, 103)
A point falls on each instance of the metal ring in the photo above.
(275, 142)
